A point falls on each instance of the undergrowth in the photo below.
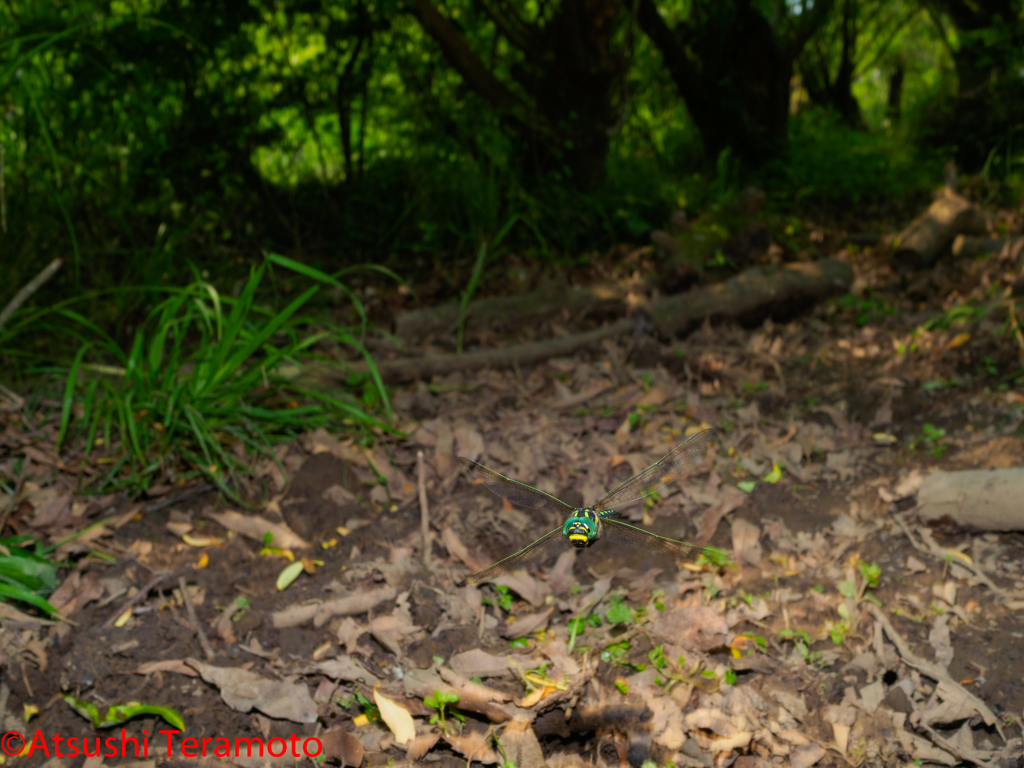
(206, 385)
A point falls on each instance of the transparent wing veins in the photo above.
(618, 532)
(540, 551)
(516, 492)
(658, 475)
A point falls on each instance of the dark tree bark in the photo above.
(733, 69)
(990, 95)
(836, 92)
(568, 77)
(895, 101)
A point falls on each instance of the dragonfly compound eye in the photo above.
(580, 531)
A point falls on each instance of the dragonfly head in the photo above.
(581, 528)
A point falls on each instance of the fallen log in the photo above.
(967, 246)
(755, 295)
(414, 326)
(750, 297)
(975, 499)
(922, 242)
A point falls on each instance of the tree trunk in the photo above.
(989, 92)
(569, 73)
(733, 71)
(895, 103)
(844, 100)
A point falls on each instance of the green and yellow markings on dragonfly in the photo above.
(586, 525)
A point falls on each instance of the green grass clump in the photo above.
(25, 575)
(203, 377)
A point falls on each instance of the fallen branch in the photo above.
(935, 672)
(967, 246)
(930, 548)
(31, 287)
(406, 369)
(922, 241)
(749, 297)
(415, 325)
(755, 295)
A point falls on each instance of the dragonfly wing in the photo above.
(658, 475)
(544, 548)
(618, 532)
(517, 493)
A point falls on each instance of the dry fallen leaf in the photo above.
(256, 528)
(244, 691)
(419, 746)
(343, 746)
(166, 665)
(396, 717)
(473, 746)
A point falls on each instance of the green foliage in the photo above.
(931, 440)
(657, 657)
(616, 653)
(504, 595)
(618, 612)
(866, 308)
(122, 713)
(25, 575)
(802, 642)
(832, 164)
(202, 383)
(440, 701)
(370, 709)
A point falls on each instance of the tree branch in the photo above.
(805, 27)
(462, 58)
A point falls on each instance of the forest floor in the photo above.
(842, 632)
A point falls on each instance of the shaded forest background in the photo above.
(148, 143)
(140, 136)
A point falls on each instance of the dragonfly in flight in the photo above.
(586, 525)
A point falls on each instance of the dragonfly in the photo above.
(584, 526)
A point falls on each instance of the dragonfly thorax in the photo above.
(583, 528)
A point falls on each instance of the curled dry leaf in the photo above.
(468, 688)
(244, 691)
(526, 625)
(361, 602)
(167, 665)
(343, 746)
(533, 697)
(478, 663)
(474, 747)
(396, 717)
(256, 528)
(520, 744)
(419, 746)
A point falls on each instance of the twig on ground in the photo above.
(191, 493)
(139, 596)
(935, 671)
(421, 482)
(944, 744)
(31, 287)
(625, 636)
(204, 641)
(933, 549)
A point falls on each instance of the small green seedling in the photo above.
(439, 701)
(369, 708)
(618, 612)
